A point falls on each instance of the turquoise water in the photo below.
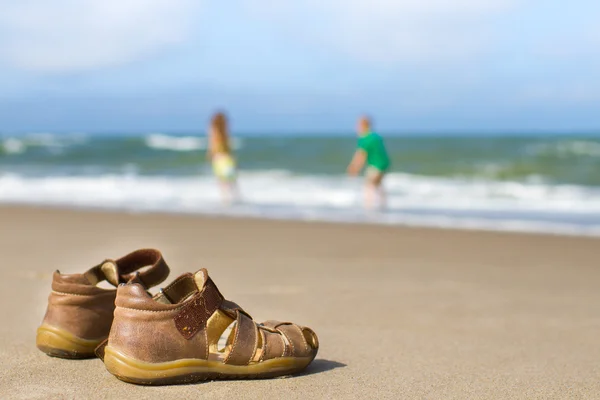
(515, 183)
(573, 160)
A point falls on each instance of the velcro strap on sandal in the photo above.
(193, 316)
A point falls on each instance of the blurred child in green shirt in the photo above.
(372, 153)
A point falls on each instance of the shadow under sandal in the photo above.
(80, 314)
(173, 337)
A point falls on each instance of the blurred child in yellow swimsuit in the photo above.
(220, 154)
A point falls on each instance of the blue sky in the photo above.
(437, 65)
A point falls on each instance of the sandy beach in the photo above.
(400, 313)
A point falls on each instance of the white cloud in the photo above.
(387, 31)
(71, 35)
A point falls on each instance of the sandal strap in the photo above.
(127, 269)
(231, 307)
(193, 316)
(130, 264)
(245, 341)
(248, 342)
(273, 344)
(295, 343)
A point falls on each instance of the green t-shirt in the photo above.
(373, 145)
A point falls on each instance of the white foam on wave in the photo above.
(161, 141)
(566, 148)
(53, 143)
(485, 195)
(413, 200)
(166, 142)
(13, 146)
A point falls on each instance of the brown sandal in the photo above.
(80, 314)
(173, 337)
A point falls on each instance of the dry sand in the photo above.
(400, 313)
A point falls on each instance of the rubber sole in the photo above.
(194, 370)
(57, 342)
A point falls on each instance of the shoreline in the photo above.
(519, 184)
(295, 219)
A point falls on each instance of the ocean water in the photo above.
(525, 183)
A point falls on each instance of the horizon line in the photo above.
(314, 133)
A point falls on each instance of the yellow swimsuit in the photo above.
(224, 166)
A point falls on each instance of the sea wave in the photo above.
(159, 141)
(566, 148)
(481, 194)
(166, 142)
(13, 146)
(413, 200)
(51, 142)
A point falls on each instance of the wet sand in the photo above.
(400, 313)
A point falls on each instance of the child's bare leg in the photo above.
(374, 192)
(369, 195)
(380, 197)
(229, 191)
(226, 192)
(235, 192)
